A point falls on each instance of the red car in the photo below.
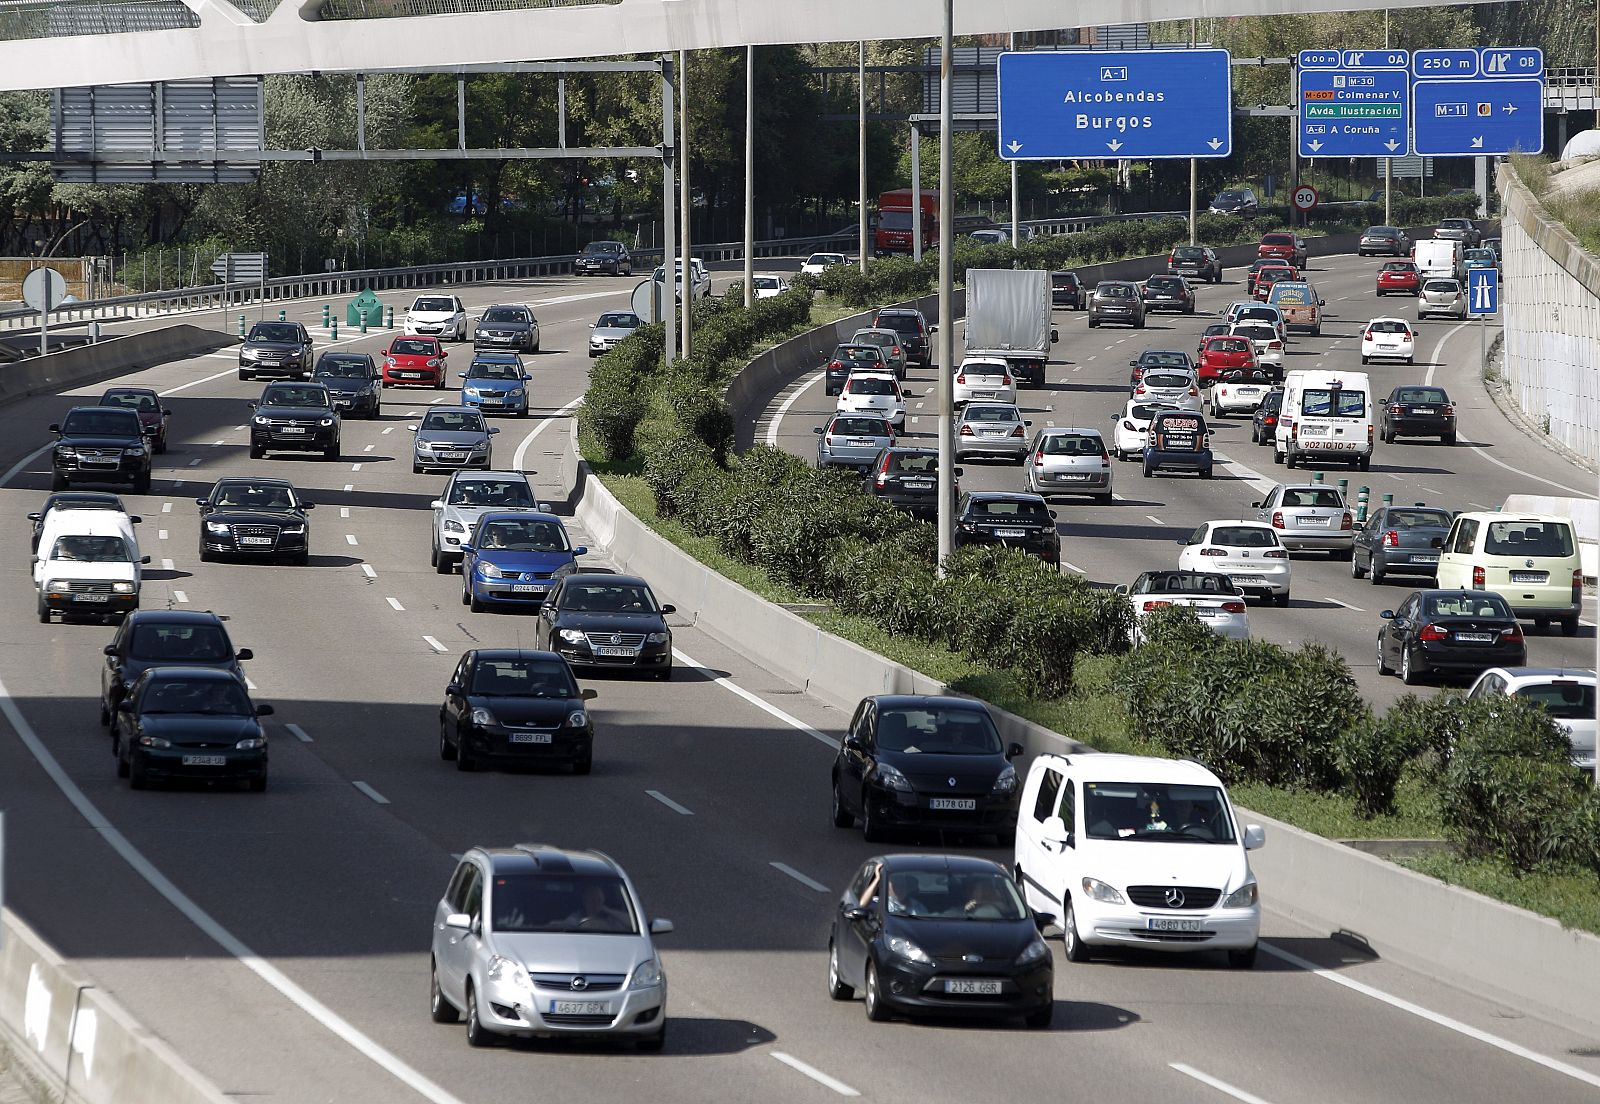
(1287, 247)
(1220, 355)
(1269, 275)
(1399, 276)
(414, 361)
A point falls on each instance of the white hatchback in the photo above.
(1239, 393)
(984, 378)
(1390, 339)
(873, 393)
(818, 263)
(1265, 337)
(1248, 552)
(1133, 427)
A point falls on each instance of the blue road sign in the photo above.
(1437, 64)
(1471, 118)
(1483, 291)
(1139, 104)
(1512, 61)
(1355, 112)
(1374, 59)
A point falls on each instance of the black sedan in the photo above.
(189, 722)
(1449, 632)
(99, 444)
(1417, 411)
(294, 416)
(76, 500)
(514, 706)
(939, 935)
(1066, 290)
(161, 638)
(607, 621)
(147, 404)
(1157, 358)
(925, 762)
(1400, 540)
(245, 516)
(1264, 422)
(1169, 293)
(1019, 520)
(353, 380)
(908, 479)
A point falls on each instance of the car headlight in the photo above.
(481, 716)
(1006, 782)
(66, 452)
(122, 588)
(1033, 952)
(219, 527)
(57, 586)
(470, 393)
(1100, 891)
(251, 743)
(900, 945)
(517, 392)
(294, 531)
(433, 362)
(259, 420)
(325, 422)
(154, 742)
(577, 719)
(250, 354)
(658, 638)
(133, 450)
(573, 636)
(1245, 896)
(489, 570)
(890, 778)
(454, 527)
(509, 971)
(646, 975)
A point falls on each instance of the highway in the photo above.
(280, 941)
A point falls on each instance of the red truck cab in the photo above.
(893, 230)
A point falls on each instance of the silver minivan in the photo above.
(1070, 461)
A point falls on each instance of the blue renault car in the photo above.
(514, 558)
(495, 383)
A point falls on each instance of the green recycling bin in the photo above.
(364, 307)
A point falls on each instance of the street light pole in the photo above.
(749, 175)
(916, 192)
(947, 327)
(861, 150)
(669, 219)
(686, 208)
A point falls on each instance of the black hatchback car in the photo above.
(297, 417)
(939, 935)
(1449, 632)
(925, 762)
(1417, 411)
(99, 444)
(512, 706)
(162, 638)
(1168, 292)
(1200, 262)
(847, 358)
(353, 382)
(1013, 518)
(1066, 290)
(913, 329)
(190, 722)
(612, 621)
(1400, 540)
(1264, 422)
(908, 479)
(246, 516)
(147, 404)
(1157, 358)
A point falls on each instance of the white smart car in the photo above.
(1248, 552)
(1390, 339)
(1239, 393)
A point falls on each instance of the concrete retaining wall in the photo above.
(114, 356)
(71, 1042)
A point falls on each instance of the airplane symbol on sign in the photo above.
(1497, 63)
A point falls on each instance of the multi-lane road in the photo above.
(279, 941)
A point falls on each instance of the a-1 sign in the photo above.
(1135, 104)
(1483, 291)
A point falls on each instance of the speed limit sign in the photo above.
(1305, 197)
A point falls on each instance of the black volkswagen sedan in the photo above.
(353, 381)
(245, 516)
(1012, 518)
(593, 621)
(925, 762)
(294, 416)
(927, 935)
(514, 706)
(189, 722)
(1400, 540)
(99, 444)
(161, 638)
(1449, 632)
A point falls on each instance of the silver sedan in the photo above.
(451, 437)
(1309, 517)
(992, 429)
(852, 440)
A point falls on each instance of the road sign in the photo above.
(647, 297)
(1483, 291)
(1355, 111)
(1470, 118)
(1304, 198)
(1434, 64)
(1136, 104)
(1512, 61)
(234, 267)
(43, 289)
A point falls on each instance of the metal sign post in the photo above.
(42, 289)
(1483, 299)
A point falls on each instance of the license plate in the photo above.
(1074, 477)
(410, 375)
(91, 597)
(1424, 559)
(292, 429)
(986, 394)
(452, 456)
(1529, 577)
(529, 588)
(580, 1008)
(1172, 924)
(973, 988)
(1010, 533)
(959, 804)
(607, 650)
(530, 737)
(96, 462)
(491, 402)
(204, 760)
(255, 540)
(1423, 410)
(1311, 521)
(1475, 637)
(1252, 580)
(919, 485)
(858, 442)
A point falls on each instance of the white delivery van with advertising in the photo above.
(1325, 416)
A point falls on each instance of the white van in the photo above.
(1095, 851)
(1439, 257)
(1325, 416)
(1530, 560)
(88, 562)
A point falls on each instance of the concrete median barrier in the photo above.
(105, 359)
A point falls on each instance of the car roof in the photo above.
(490, 474)
(904, 862)
(199, 674)
(909, 450)
(88, 523)
(497, 358)
(1390, 318)
(534, 858)
(606, 577)
(98, 409)
(1494, 515)
(451, 409)
(1004, 496)
(253, 480)
(129, 391)
(1539, 674)
(1056, 431)
(521, 515)
(1102, 767)
(511, 653)
(1236, 522)
(173, 617)
(941, 701)
(83, 496)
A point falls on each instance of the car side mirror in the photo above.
(460, 921)
(816, 429)
(493, 430)
(468, 548)
(1026, 422)
(1133, 364)
(1257, 505)
(668, 608)
(589, 695)
(659, 926)
(55, 427)
(36, 517)
(591, 325)
(308, 505)
(857, 913)
(436, 504)
(109, 649)
(581, 550)
(1013, 750)
(958, 471)
(1255, 837)
(144, 559)
(243, 654)
(461, 375)
(203, 503)
(125, 706)
(1054, 515)
(934, 328)
(853, 741)
(251, 403)
(264, 711)
(526, 377)
(1387, 615)
(1322, 302)
(412, 428)
(1056, 831)
(166, 411)
(1121, 588)
(1044, 919)
(136, 519)
(1436, 542)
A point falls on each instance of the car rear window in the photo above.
(869, 385)
(1008, 508)
(491, 492)
(1442, 286)
(1323, 402)
(1417, 519)
(1189, 253)
(991, 414)
(1164, 282)
(1244, 536)
(1071, 444)
(1400, 266)
(1257, 333)
(1389, 326)
(913, 462)
(1483, 604)
(1175, 360)
(860, 427)
(1565, 700)
(1276, 239)
(1228, 345)
(1312, 496)
(1421, 395)
(1528, 538)
(130, 400)
(1114, 291)
(859, 354)
(1165, 379)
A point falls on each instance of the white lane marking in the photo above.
(368, 448)
(166, 507)
(785, 406)
(1480, 506)
(1433, 490)
(522, 449)
(161, 534)
(395, 605)
(1073, 568)
(366, 569)
(350, 538)
(1553, 1064)
(344, 511)
(180, 597)
(1092, 356)
(1438, 347)
(1220, 1086)
(370, 792)
(1155, 519)
(355, 467)
(24, 462)
(298, 733)
(166, 565)
(1256, 480)
(814, 1073)
(669, 803)
(203, 920)
(1079, 368)
(217, 442)
(412, 413)
(389, 430)
(250, 684)
(1537, 479)
(197, 383)
(435, 645)
(349, 486)
(764, 706)
(436, 402)
(1346, 605)
(809, 883)
(195, 463)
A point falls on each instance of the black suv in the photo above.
(908, 479)
(353, 381)
(1199, 261)
(1011, 518)
(164, 638)
(1066, 290)
(297, 417)
(276, 348)
(515, 706)
(243, 516)
(100, 444)
(913, 330)
(604, 256)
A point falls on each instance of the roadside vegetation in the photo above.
(1576, 208)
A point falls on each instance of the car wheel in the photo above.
(842, 817)
(1148, 471)
(331, 452)
(1288, 459)
(837, 989)
(1408, 674)
(1283, 599)
(1077, 950)
(1205, 473)
(447, 750)
(477, 1034)
(246, 374)
(871, 830)
(466, 598)
(466, 762)
(1042, 1018)
(1411, 360)
(1448, 438)
(416, 469)
(1569, 626)
(1356, 570)
(1093, 323)
(474, 604)
(653, 1043)
(137, 779)
(1365, 463)
(440, 1010)
(877, 1011)
(1366, 360)
(257, 452)
(1243, 959)
(122, 764)
(1383, 663)
(161, 444)
(256, 785)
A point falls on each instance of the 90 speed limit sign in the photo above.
(1305, 197)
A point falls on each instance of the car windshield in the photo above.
(603, 247)
(430, 305)
(522, 535)
(1528, 538)
(1336, 402)
(86, 549)
(875, 337)
(870, 385)
(289, 395)
(991, 414)
(860, 427)
(1421, 395)
(1409, 518)
(344, 367)
(102, 422)
(1184, 582)
(895, 219)
(180, 644)
(1243, 536)
(859, 354)
(274, 331)
(1165, 379)
(1268, 315)
(574, 904)
(1071, 444)
(1174, 360)
(494, 369)
(1389, 325)
(491, 492)
(1479, 604)
(924, 463)
(1114, 291)
(506, 314)
(937, 730)
(213, 697)
(1230, 197)
(1480, 255)
(453, 421)
(1164, 812)
(619, 320)
(132, 400)
(411, 346)
(1325, 497)
(1006, 509)
(821, 259)
(954, 895)
(1563, 699)
(598, 597)
(523, 677)
(259, 496)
